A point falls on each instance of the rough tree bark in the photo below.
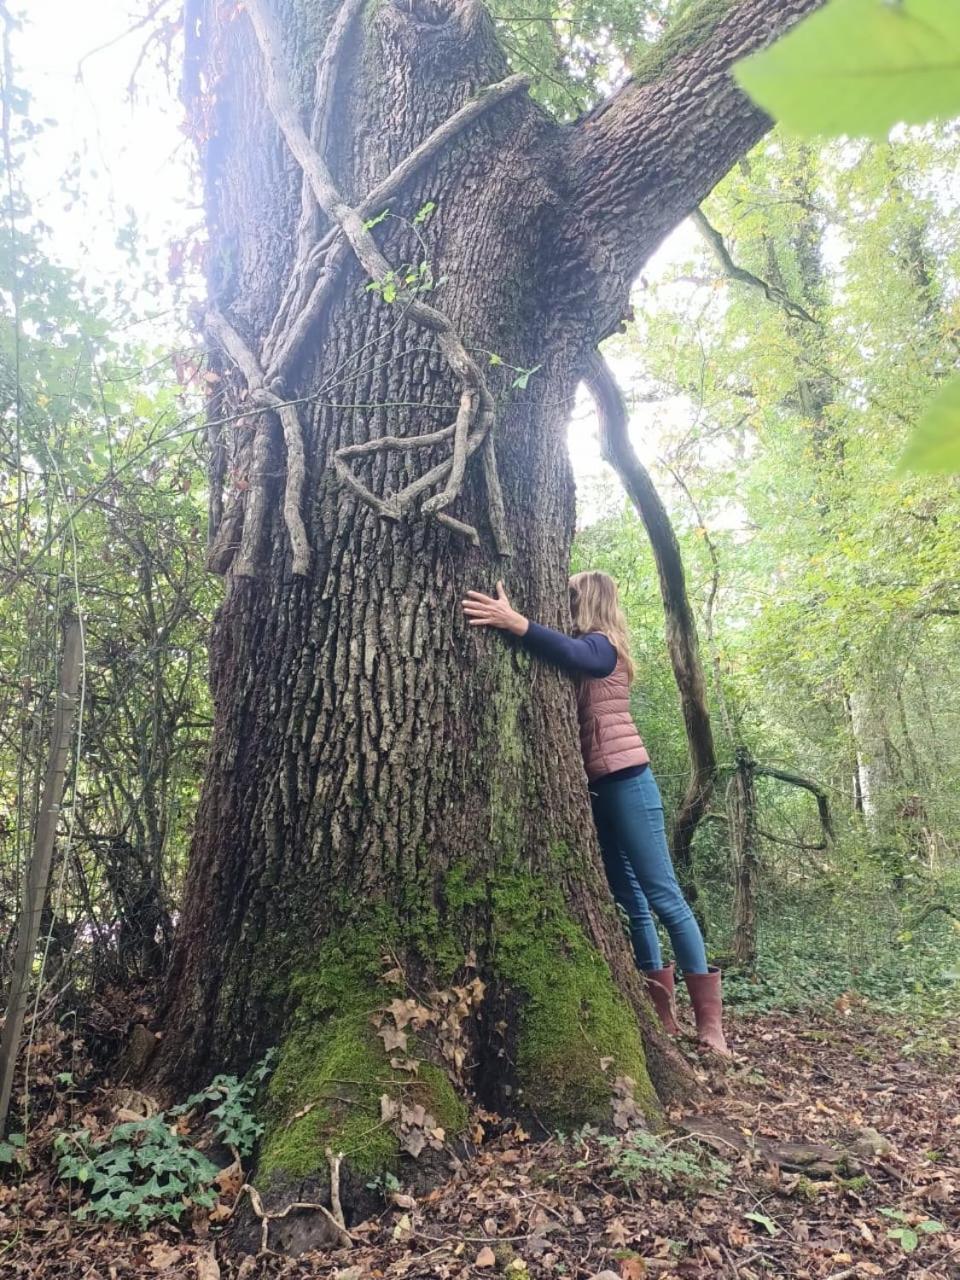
(393, 804)
(742, 812)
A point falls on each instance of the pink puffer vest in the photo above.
(608, 736)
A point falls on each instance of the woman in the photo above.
(627, 808)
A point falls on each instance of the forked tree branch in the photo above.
(474, 398)
(807, 784)
(773, 293)
(314, 274)
(326, 258)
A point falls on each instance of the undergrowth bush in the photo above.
(889, 950)
(644, 1157)
(142, 1172)
(640, 1156)
(145, 1171)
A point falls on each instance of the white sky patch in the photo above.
(113, 162)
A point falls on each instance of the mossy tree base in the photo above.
(383, 1054)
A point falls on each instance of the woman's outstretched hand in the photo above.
(487, 611)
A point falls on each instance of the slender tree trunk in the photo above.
(38, 871)
(874, 774)
(394, 806)
(742, 806)
(683, 645)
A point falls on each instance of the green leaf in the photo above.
(373, 222)
(907, 1237)
(934, 446)
(524, 376)
(931, 1227)
(762, 1220)
(858, 67)
(424, 212)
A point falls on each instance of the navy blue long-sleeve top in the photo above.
(589, 655)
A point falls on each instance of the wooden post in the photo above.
(38, 872)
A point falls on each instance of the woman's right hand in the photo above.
(490, 611)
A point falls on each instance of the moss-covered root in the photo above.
(334, 1071)
(575, 1033)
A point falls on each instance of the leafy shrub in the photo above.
(144, 1171)
(642, 1156)
(908, 1235)
(141, 1172)
(236, 1126)
(11, 1151)
(916, 974)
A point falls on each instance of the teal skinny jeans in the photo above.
(628, 813)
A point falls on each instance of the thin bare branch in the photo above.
(773, 293)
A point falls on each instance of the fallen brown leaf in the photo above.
(208, 1268)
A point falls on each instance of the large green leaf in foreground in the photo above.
(935, 443)
(858, 67)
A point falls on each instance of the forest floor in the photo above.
(828, 1147)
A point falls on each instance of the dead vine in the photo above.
(315, 272)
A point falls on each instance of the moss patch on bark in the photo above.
(695, 22)
(570, 1034)
(577, 1033)
(333, 1069)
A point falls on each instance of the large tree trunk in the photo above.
(392, 802)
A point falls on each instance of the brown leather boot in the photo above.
(660, 990)
(707, 1004)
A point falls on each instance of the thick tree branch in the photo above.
(797, 780)
(647, 157)
(681, 627)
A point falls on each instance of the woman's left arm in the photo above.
(494, 611)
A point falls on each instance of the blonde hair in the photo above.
(595, 607)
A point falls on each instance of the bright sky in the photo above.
(124, 162)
